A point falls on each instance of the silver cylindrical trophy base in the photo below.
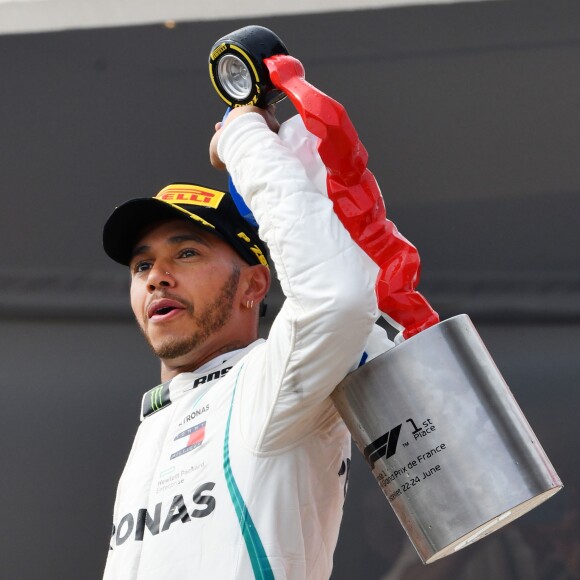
(445, 438)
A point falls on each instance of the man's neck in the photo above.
(170, 368)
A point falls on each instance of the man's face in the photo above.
(184, 282)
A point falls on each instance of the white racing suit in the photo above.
(239, 470)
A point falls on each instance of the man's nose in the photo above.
(159, 277)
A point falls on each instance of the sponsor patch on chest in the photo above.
(189, 439)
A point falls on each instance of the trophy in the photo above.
(433, 417)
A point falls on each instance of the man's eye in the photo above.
(188, 253)
(141, 267)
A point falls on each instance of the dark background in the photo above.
(471, 116)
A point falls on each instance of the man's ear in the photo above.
(260, 283)
(256, 283)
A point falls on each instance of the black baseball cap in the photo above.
(210, 209)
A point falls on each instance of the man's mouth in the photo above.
(163, 309)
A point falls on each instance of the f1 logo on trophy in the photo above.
(436, 422)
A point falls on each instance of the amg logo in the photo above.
(385, 446)
(211, 377)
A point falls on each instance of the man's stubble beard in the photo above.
(213, 317)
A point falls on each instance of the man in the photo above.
(239, 466)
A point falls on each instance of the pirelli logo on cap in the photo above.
(185, 194)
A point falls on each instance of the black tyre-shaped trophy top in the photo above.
(237, 69)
